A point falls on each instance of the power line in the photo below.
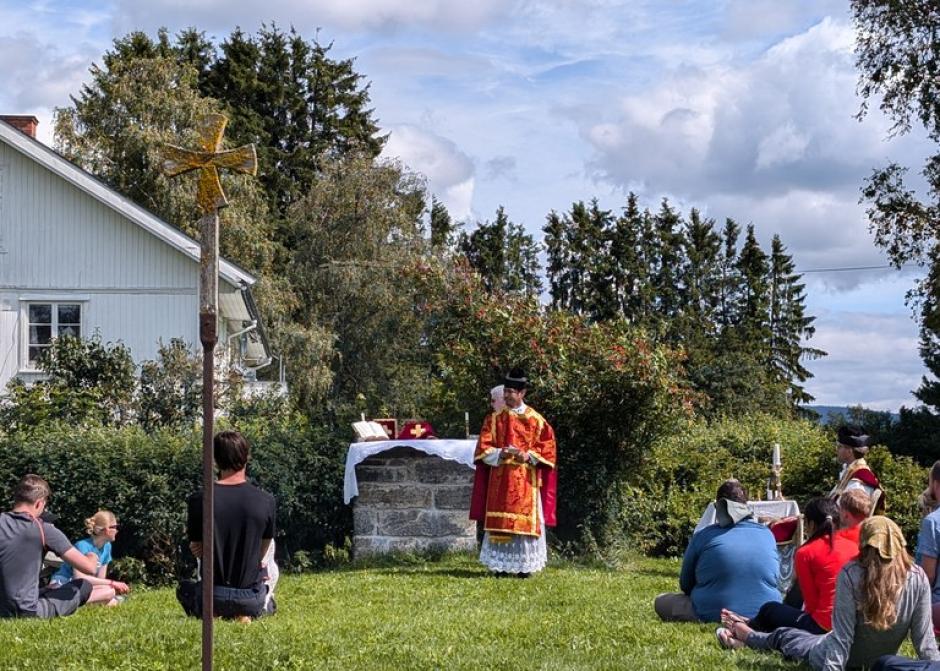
(846, 269)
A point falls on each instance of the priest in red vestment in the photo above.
(514, 483)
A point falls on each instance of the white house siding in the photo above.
(59, 243)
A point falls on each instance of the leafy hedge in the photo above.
(681, 474)
(146, 478)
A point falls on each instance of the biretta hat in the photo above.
(854, 437)
(516, 379)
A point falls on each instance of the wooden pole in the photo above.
(208, 321)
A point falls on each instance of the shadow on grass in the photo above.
(429, 570)
(656, 572)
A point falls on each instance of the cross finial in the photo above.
(208, 159)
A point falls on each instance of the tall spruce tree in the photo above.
(628, 273)
(505, 256)
(441, 225)
(789, 325)
(558, 261)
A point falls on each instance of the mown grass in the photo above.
(447, 614)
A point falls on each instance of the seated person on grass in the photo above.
(881, 598)
(731, 564)
(24, 538)
(244, 531)
(928, 545)
(818, 562)
(854, 508)
(102, 529)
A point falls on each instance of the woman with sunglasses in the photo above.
(102, 529)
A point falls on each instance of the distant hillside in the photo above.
(826, 411)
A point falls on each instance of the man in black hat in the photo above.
(514, 484)
(851, 447)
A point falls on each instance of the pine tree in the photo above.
(789, 325)
(628, 272)
(557, 269)
(504, 255)
(699, 282)
(441, 225)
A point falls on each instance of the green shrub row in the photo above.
(681, 474)
(146, 478)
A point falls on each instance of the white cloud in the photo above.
(307, 15)
(873, 360)
(449, 171)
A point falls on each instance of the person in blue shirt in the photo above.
(732, 561)
(102, 529)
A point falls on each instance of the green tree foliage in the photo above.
(288, 96)
(170, 392)
(898, 57)
(442, 226)
(738, 315)
(504, 255)
(85, 383)
(573, 365)
(352, 236)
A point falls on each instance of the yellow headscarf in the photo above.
(881, 533)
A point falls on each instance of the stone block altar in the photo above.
(409, 499)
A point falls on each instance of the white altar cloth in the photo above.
(460, 451)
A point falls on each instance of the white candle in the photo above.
(776, 458)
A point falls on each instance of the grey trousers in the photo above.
(63, 600)
(675, 607)
(793, 643)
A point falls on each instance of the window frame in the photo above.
(27, 366)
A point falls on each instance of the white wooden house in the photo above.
(78, 258)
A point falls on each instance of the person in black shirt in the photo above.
(244, 530)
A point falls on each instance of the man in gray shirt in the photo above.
(24, 538)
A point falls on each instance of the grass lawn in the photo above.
(437, 615)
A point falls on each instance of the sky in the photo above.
(741, 108)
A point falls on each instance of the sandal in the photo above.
(727, 640)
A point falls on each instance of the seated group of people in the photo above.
(244, 570)
(858, 592)
(27, 532)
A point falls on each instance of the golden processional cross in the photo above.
(210, 198)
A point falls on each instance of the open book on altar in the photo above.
(368, 431)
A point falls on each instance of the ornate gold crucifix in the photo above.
(208, 159)
(210, 198)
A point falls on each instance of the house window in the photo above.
(51, 320)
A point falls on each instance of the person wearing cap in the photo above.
(881, 598)
(851, 447)
(514, 483)
(732, 564)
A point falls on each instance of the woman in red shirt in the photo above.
(818, 562)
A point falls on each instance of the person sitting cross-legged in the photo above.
(818, 562)
(881, 598)
(102, 529)
(24, 539)
(244, 531)
(732, 564)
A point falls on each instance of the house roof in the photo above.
(238, 306)
(97, 189)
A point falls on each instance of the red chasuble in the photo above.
(504, 496)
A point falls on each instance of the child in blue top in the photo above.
(102, 529)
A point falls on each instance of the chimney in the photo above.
(22, 122)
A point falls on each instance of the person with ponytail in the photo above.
(881, 598)
(102, 529)
(818, 562)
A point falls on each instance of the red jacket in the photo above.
(817, 567)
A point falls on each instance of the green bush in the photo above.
(681, 474)
(145, 480)
(606, 388)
